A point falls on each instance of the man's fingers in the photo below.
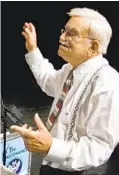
(24, 27)
(21, 130)
(28, 32)
(39, 122)
(25, 126)
(28, 29)
(25, 35)
(26, 24)
(16, 128)
(30, 128)
(27, 133)
(32, 27)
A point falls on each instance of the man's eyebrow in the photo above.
(73, 29)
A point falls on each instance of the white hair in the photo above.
(100, 28)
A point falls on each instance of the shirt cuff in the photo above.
(33, 57)
(59, 151)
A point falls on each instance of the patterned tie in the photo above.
(58, 106)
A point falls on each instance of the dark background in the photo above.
(18, 84)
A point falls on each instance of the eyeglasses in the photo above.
(73, 33)
(70, 33)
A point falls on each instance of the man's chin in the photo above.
(62, 56)
(60, 53)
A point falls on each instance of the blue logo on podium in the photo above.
(15, 165)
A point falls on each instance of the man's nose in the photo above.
(62, 37)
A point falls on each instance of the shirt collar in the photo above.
(86, 67)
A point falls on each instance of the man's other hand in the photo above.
(29, 33)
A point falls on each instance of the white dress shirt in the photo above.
(96, 131)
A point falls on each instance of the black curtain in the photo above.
(18, 83)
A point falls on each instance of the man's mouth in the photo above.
(64, 44)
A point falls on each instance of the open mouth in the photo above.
(64, 45)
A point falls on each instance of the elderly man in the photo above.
(82, 129)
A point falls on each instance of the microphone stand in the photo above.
(4, 136)
(5, 110)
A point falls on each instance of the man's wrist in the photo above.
(32, 49)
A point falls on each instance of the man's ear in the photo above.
(95, 45)
(94, 48)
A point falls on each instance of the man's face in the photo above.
(74, 42)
